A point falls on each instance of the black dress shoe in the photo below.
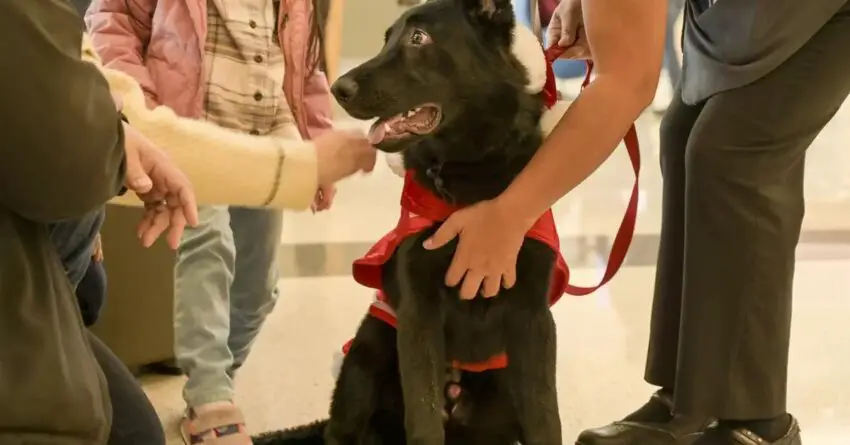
(720, 435)
(678, 430)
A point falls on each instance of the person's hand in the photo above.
(490, 239)
(567, 30)
(166, 192)
(342, 153)
(324, 198)
(97, 249)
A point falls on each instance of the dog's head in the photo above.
(445, 64)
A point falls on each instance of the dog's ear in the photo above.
(495, 16)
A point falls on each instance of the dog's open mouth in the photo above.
(417, 121)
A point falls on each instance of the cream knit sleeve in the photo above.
(224, 166)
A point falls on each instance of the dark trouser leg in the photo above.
(732, 210)
(666, 305)
(134, 421)
(743, 206)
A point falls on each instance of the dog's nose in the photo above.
(344, 89)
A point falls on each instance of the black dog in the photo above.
(450, 95)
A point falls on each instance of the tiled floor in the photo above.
(602, 341)
(602, 338)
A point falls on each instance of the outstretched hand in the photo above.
(489, 242)
(165, 191)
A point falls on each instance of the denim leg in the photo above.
(91, 292)
(74, 240)
(203, 276)
(256, 234)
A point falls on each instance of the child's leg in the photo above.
(256, 235)
(203, 276)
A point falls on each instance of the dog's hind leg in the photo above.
(370, 361)
(421, 346)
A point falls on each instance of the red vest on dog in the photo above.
(421, 209)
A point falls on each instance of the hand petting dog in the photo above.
(340, 154)
(489, 239)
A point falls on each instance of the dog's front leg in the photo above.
(421, 349)
(530, 337)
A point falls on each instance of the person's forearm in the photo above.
(225, 167)
(230, 168)
(585, 137)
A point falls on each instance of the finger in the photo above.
(576, 53)
(135, 176)
(457, 268)
(188, 205)
(471, 284)
(370, 158)
(448, 231)
(158, 226)
(579, 50)
(491, 286)
(178, 225)
(509, 278)
(566, 38)
(146, 222)
(569, 27)
(553, 33)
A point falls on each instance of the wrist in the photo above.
(517, 209)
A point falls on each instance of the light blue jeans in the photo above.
(226, 285)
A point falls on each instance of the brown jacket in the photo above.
(61, 146)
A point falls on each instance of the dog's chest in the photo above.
(473, 329)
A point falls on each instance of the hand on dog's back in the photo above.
(342, 153)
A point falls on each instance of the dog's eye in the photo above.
(419, 37)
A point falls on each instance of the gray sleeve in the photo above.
(61, 139)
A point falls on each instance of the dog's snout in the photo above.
(344, 89)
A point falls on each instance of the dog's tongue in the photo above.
(377, 133)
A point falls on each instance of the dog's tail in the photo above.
(310, 434)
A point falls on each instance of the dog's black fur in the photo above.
(390, 390)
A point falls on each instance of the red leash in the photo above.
(626, 232)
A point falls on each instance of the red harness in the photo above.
(421, 209)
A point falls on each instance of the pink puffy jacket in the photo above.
(161, 44)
